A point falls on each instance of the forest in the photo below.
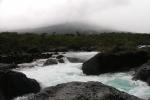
(12, 43)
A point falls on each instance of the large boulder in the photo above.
(13, 84)
(81, 91)
(143, 73)
(114, 62)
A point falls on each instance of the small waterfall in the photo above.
(66, 60)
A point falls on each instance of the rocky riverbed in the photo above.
(62, 74)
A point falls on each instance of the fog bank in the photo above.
(124, 15)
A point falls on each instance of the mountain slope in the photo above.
(69, 28)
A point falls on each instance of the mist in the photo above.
(124, 15)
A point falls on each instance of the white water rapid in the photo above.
(68, 72)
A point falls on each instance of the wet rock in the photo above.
(13, 84)
(59, 56)
(81, 91)
(143, 73)
(61, 60)
(50, 61)
(114, 62)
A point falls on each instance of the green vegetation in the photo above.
(14, 43)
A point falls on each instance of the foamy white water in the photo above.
(68, 72)
(81, 55)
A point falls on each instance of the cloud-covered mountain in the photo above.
(68, 28)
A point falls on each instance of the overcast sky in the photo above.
(125, 15)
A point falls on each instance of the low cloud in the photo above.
(119, 14)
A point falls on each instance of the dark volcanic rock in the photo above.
(13, 84)
(81, 91)
(143, 73)
(50, 61)
(114, 62)
(61, 60)
(7, 66)
(59, 56)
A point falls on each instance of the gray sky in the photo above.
(125, 15)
